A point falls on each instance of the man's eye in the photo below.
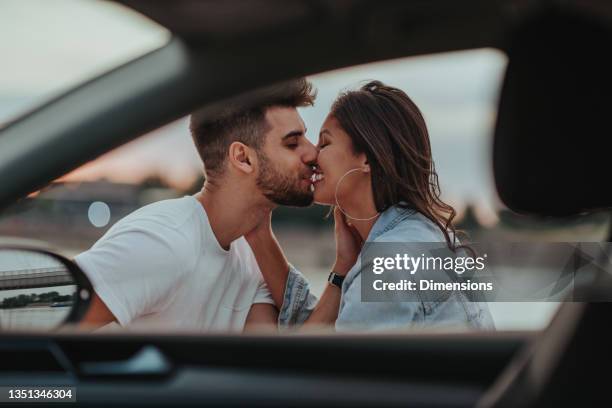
(292, 145)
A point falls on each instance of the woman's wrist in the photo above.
(342, 267)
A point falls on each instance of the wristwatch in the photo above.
(335, 279)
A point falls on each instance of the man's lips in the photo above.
(307, 178)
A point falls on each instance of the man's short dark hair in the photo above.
(243, 121)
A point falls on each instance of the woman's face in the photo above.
(335, 159)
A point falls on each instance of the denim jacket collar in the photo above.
(388, 219)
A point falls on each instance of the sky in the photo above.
(48, 46)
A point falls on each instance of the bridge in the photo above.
(35, 278)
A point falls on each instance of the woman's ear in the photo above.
(239, 157)
(365, 166)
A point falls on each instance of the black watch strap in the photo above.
(335, 279)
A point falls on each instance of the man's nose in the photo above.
(310, 153)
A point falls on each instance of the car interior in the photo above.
(550, 159)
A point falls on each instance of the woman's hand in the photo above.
(348, 244)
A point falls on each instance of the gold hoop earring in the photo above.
(338, 204)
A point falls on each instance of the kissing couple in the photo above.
(210, 262)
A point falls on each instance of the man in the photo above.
(184, 263)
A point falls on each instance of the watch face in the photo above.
(335, 279)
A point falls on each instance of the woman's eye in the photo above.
(323, 145)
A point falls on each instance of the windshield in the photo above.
(42, 57)
(84, 213)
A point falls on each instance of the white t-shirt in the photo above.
(162, 266)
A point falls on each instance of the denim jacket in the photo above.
(395, 224)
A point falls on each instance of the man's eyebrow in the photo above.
(294, 133)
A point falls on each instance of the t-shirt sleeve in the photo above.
(263, 294)
(135, 269)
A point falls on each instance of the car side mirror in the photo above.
(40, 290)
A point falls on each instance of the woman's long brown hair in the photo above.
(386, 125)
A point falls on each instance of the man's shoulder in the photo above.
(171, 221)
(164, 227)
(172, 213)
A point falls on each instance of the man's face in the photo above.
(286, 159)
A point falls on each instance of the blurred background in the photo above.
(49, 47)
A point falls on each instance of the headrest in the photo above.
(552, 152)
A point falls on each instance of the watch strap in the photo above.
(335, 279)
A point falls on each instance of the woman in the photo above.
(375, 166)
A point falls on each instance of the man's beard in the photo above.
(279, 188)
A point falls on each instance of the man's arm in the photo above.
(132, 269)
(271, 261)
(97, 315)
(261, 316)
(275, 270)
